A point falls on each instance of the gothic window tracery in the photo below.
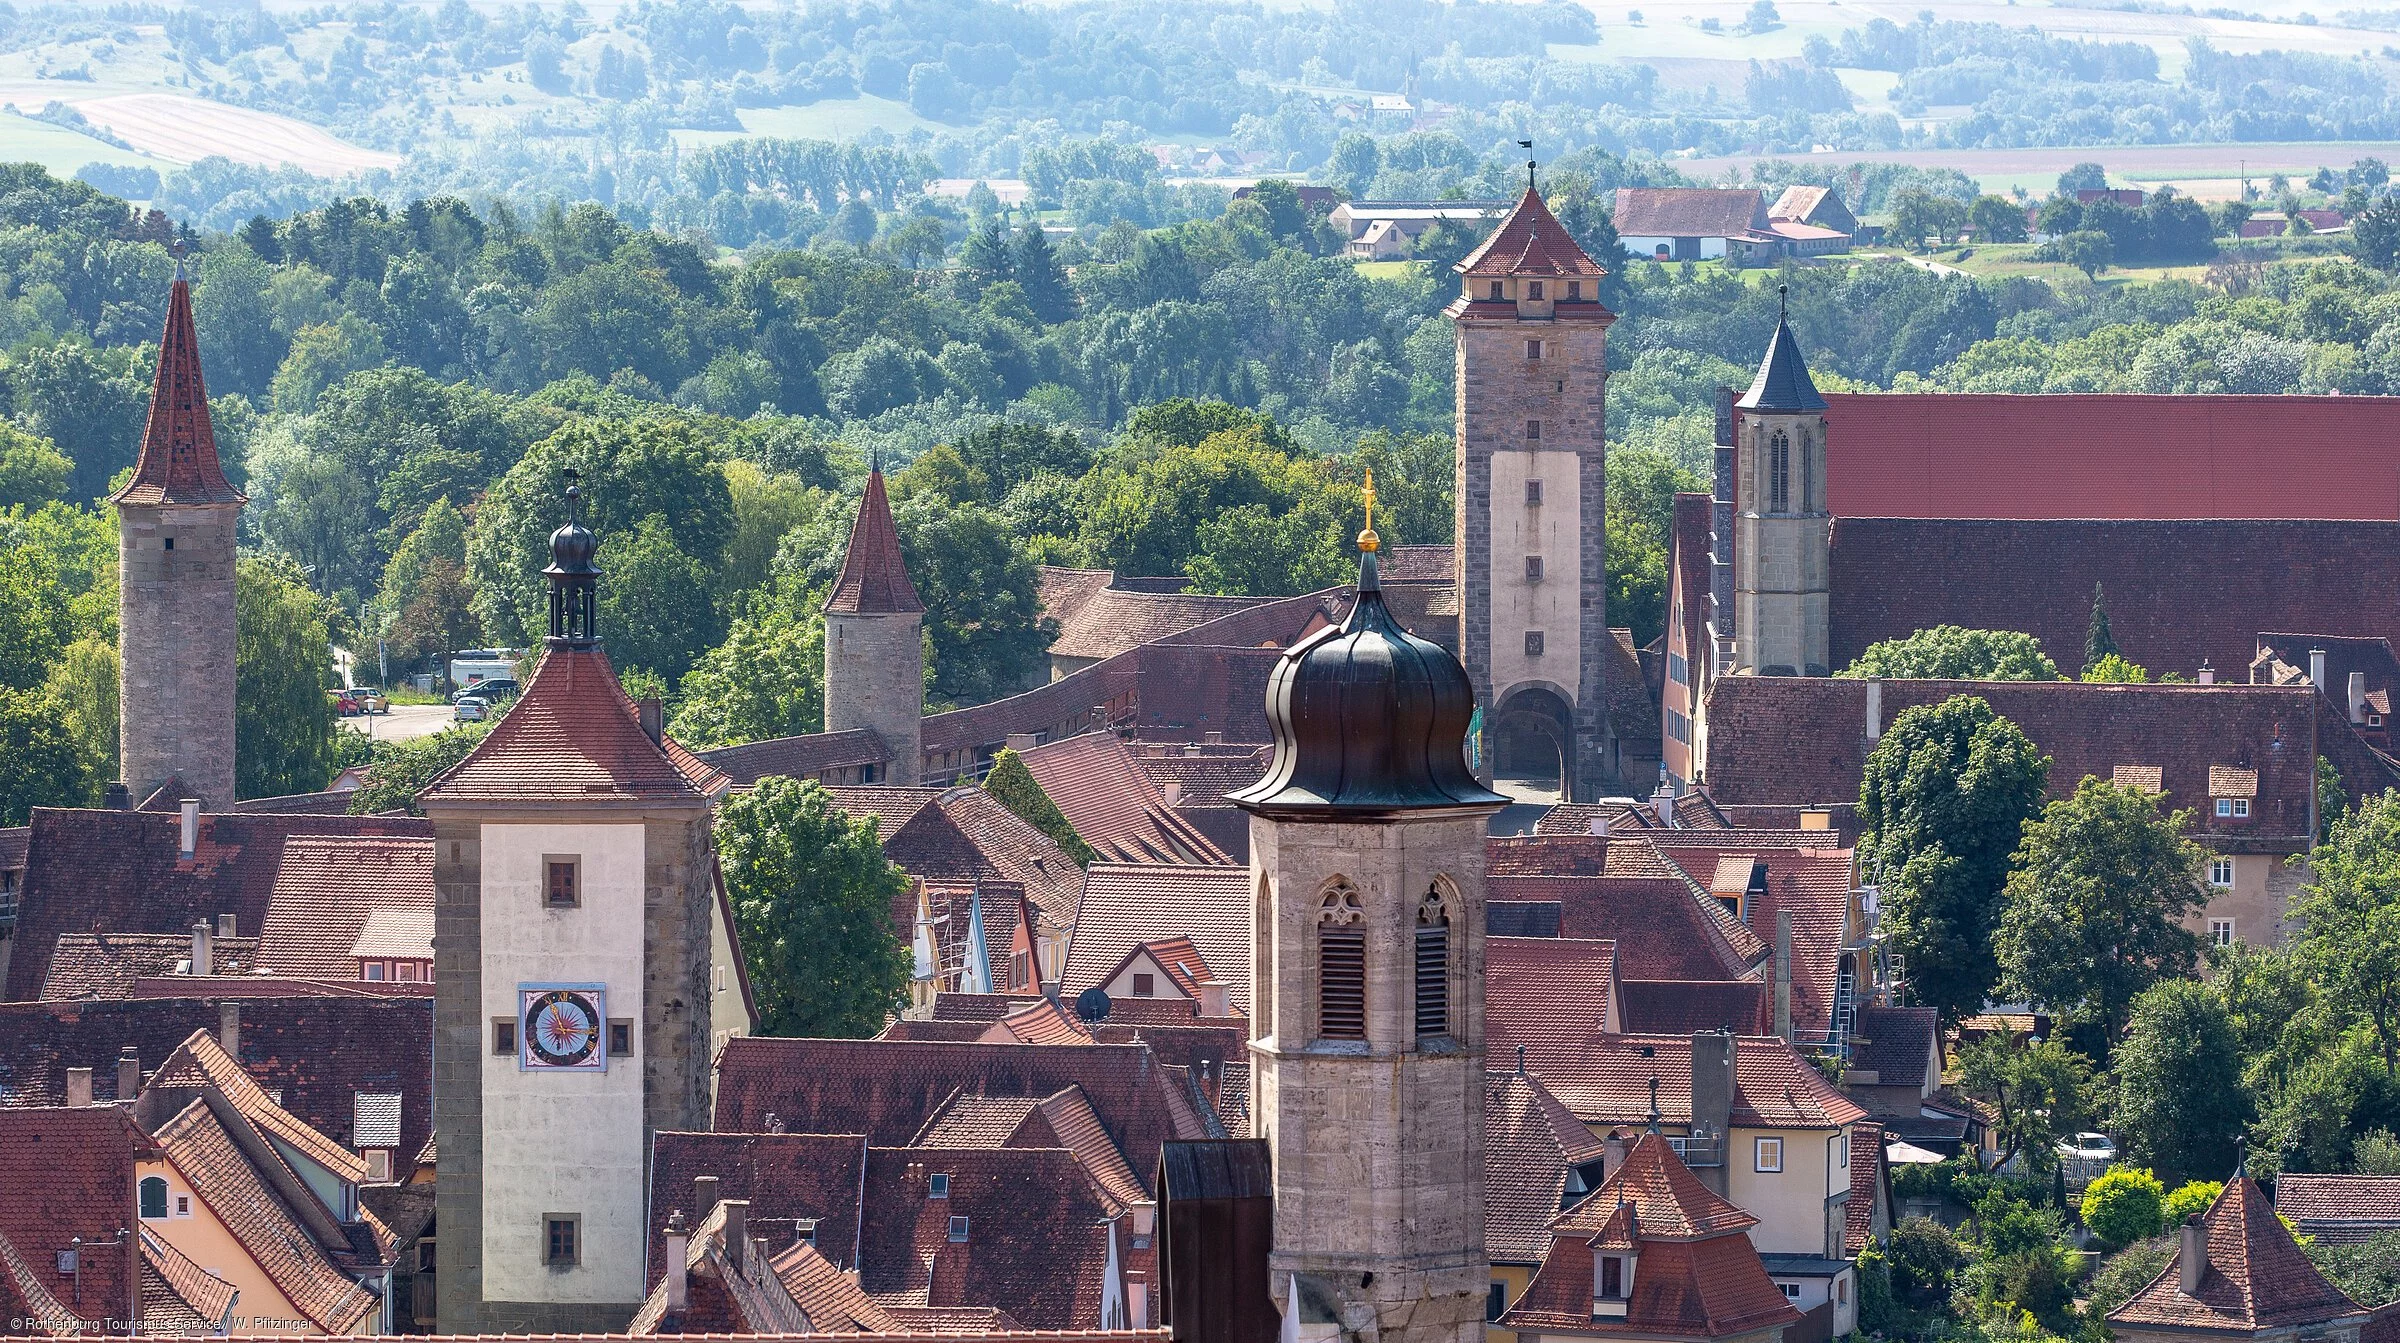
(1433, 964)
(1341, 963)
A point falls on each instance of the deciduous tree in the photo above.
(2180, 1100)
(812, 896)
(2348, 920)
(1955, 653)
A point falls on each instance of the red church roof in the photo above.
(1530, 241)
(2093, 456)
(179, 463)
(874, 579)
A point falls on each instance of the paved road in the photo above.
(403, 722)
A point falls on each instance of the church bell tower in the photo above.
(1782, 530)
(1532, 497)
(1367, 863)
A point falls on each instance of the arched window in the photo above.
(154, 1197)
(1779, 473)
(1433, 964)
(1341, 964)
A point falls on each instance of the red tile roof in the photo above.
(325, 891)
(1681, 1006)
(109, 965)
(1893, 576)
(1900, 1045)
(830, 1298)
(1812, 884)
(1533, 985)
(1036, 1243)
(1530, 241)
(2256, 1277)
(1868, 1195)
(118, 872)
(179, 1294)
(178, 463)
(1128, 904)
(874, 579)
(1112, 804)
(1605, 1080)
(1688, 212)
(1529, 1140)
(573, 736)
(200, 1063)
(2339, 1209)
(803, 757)
(787, 1177)
(1062, 592)
(67, 1173)
(1660, 929)
(1669, 1202)
(2110, 456)
(1065, 1119)
(1793, 739)
(1113, 620)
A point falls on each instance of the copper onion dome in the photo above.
(1369, 719)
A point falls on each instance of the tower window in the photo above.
(1533, 494)
(1341, 965)
(504, 1035)
(1533, 290)
(562, 1239)
(1779, 474)
(1433, 966)
(1533, 349)
(1574, 291)
(1533, 568)
(562, 886)
(1533, 643)
(620, 1038)
(170, 543)
(1533, 430)
(1495, 291)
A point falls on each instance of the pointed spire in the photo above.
(178, 463)
(1782, 385)
(874, 579)
(1530, 241)
(978, 974)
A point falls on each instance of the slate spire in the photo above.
(1782, 385)
(178, 463)
(874, 579)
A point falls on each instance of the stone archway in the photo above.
(1532, 735)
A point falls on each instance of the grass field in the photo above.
(62, 151)
(1386, 270)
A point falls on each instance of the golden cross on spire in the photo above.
(1368, 540)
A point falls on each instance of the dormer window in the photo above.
(958, 1230)
(1612, 1276)
(1497, 292)
(1574, 291)
(937, 1186)
(1533, 290)
(2235, 808)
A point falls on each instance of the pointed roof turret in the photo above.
(179, 462)
(2246, 1274)
(1782, 384)
(874, 579)
(1667, 1200)
(1530, 241)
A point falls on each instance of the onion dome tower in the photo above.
(175, 541)
(1367, 858)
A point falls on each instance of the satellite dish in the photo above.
(1092, 1004)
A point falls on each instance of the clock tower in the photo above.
(572, 906)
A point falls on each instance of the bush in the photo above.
(1922, 1258)
(2124, 1273)
(2193, 1198)
(2125, 1205)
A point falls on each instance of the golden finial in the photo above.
(1368, 540)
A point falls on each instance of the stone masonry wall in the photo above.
(875, 678)
(175, 616)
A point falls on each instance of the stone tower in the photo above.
(572, 904)
(1782, 535)
(1367, 858)
(1532, 490)
(874, 641)
(175, 530)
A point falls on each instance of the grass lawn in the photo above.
(1386, 270)
(62, 151)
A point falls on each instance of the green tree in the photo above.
(2115, 670)
(1258, 551)
(2124, 1205)
(82, 690)
(2190, 1199)
(2348, 920)
(766, 680)
(1147, 517)
(1943, 804)
(1996, 219)
(1925, 1257)
(2378, 1153)
(1954, 653)
(2375, 235)
(2087, 250)
(32, 472)
(656, 611)
(2180, 1099)
(812, 895)
(40, 765)
(35, 621)
(1014, 787)
(2093, 912)
(1035, 267)
(2040, 1093)
(282, 667)
(401, 769)
(321, 356)
(1413, 484)
(89, 403)
(2098, 641)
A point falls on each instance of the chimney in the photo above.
(1599, 825)
(189, 835)
(1874, 710)
(204, 958)
(1612, 1154)
(1174, 792)
(79, 1086)
(1663, 802)
(679, 1241)
(129, 1073)
(1712, 1099)
(1783, 971)
(119, 797)
(1137, 1298)
(2194, 1255)
(2358, 697)
(1214, 999)
(1212, 739)
(654, 717)
(1021, 742)
(225, 925)
(737, 1231)
(2208, 674)
(229, 1028)
(704, 1195)
(2316, 667)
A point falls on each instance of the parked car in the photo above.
(2089, 1147)
(470, 709)
(372, 701)
(343, 702)
(491, 690)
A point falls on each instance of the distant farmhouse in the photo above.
(1701, 224)
(1388, 230)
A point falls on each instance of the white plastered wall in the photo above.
(1552, 530)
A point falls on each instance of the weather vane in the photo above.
(1368, 540)
(1527, 144)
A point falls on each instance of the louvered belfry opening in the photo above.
(1433, 966)
(1341, 965)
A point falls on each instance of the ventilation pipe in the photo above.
(2316, 667)
(204, 950)
(2358, 697)
(1874, 710)
(229, 1029)
(189, 835)
(679, 1241)
(1663, 802)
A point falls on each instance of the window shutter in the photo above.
(1433, 980)
(1341, 984)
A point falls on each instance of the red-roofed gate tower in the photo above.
(1532, 490)
(175, 533)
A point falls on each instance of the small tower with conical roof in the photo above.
(1532, 493)
(874, 641)
(175, 537)
(1783, 535)
(1367, 859)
